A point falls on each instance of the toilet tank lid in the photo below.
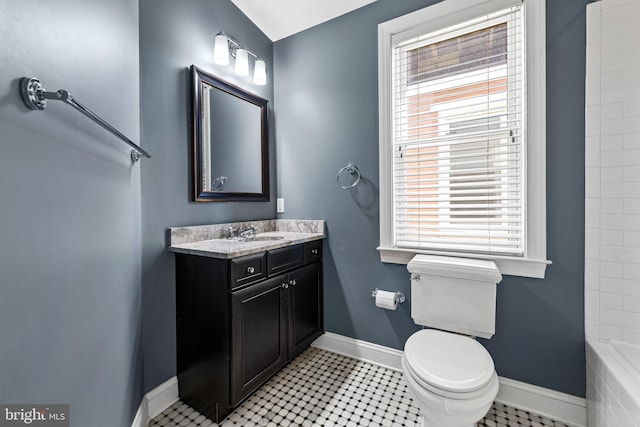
(462, 268)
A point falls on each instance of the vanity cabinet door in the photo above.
(258, 335)
(305, 307)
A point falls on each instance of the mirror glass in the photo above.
(230, 141)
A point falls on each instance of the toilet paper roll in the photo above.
(386, 300)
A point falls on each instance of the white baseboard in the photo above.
(361, 350)
(142, 416)
(550, 403)
(543, 401)
(156, 401)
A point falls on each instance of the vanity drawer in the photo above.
(248, 269)
(312, 251)
(284, 259)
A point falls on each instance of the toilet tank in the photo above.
(454, 294)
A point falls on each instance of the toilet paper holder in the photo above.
(399, 296)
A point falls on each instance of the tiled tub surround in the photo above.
(612, 209)
(211, 240)
(613, 394)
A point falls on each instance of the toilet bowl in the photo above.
(451, 378)
(450, 375)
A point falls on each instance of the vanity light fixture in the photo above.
(225, 46)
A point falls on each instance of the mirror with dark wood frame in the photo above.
(230, 141)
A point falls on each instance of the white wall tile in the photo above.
(631, 108)
(593, 62)
(592, 274)
(615, 78)
(605, 4)
(612, 142)
(592, 151)
(631, 272)
(611, 206)
(619, 318)
(611, 238)
(631, 77)
(632, 206)
(620, 222)
(591, 330)
(592, 304)
(611, 301)
(593, 120)
(619, 254)
(612, 174)
(612, 111)
(631, 238)
(620, 157)
(631, 304)
(631, 141)
(619, 189)
(632, 10)
(613, 15)
(592, 243)
(592, 182)
(631, 174)
(631, 336)
(610, 332)
(612, 269)
(618, 125)
(620, 286)
(592, 213)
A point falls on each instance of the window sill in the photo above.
(523, 267)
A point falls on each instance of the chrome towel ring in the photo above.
(352, 170)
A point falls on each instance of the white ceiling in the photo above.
(281, 18)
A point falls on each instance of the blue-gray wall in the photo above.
(85, 279)
(173, 36)
(70, 238)
(326, 94)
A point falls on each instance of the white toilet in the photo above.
(450, 375)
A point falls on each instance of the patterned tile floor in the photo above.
(320, 388)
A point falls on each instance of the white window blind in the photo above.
(458, 138)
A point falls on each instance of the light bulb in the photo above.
(242, 62)
(221, 50)
(260, 72)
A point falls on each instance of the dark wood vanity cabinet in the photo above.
(240, 321)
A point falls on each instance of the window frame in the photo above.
(438, 16)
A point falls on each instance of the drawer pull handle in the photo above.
(314, 251)
(285, 285)
(293, 282)
(250, 270)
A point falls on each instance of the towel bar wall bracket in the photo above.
(35, 97)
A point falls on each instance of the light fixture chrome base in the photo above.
(32, 93)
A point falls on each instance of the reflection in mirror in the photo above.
(230, 141)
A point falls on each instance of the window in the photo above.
(462, 134)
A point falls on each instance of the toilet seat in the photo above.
(448, 364)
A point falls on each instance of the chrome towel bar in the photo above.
(35, 97)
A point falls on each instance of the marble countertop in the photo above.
(209, 240)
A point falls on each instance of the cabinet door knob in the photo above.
(285, 285)
(293, 282)
(250, 270)
(314, 251)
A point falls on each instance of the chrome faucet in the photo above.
(232, 233)
(248, 233)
